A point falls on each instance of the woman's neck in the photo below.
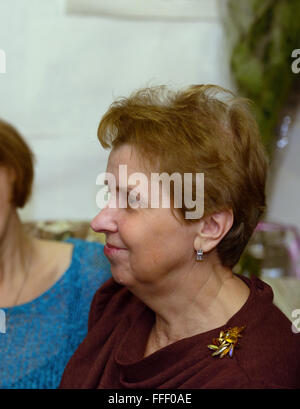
(15, 248)
(194, 302)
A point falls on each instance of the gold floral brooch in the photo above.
(227, 341)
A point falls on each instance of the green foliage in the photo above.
(266, 33)
(248, 265)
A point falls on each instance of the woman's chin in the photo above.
(118, 279)
(121, 276)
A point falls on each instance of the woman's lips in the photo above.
(110, 250)
(113, 247)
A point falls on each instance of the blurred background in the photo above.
(67, 60)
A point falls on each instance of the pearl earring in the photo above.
(199, 255)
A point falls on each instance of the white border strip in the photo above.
(2, 62)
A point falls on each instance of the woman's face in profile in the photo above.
(6, 185)
(154, 244)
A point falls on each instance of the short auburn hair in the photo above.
(16, 155)
(205, 129)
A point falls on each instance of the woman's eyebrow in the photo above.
(129, 187)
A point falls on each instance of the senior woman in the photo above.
(175, 315)
(46, 287)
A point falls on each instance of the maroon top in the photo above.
(111, 355)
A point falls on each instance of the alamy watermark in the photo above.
(296, 63)
(2, 322)
(2, 62)
(296, 322)
(135, 189)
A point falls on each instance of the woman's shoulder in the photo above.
(75, 255)
(89, 254)
(270, 349)
(83, 245)
(72, 263)
(89, 264)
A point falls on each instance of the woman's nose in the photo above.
(105, 221)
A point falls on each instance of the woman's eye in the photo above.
(133, 200)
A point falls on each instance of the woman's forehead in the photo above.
(125, 155)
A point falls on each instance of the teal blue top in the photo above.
(41, 336)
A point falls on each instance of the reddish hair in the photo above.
(15, 154)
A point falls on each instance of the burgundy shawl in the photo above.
(111, 355)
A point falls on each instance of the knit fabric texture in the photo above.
(43, 334)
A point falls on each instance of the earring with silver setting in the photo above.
(199, 256)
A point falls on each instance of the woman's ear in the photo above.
(212, 229)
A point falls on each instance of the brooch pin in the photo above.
(226, 342)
